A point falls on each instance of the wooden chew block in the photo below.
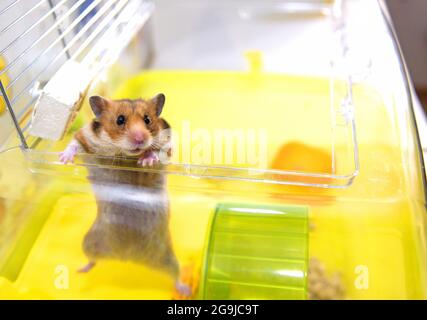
(59, 101)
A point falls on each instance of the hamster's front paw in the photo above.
(148, 159)
(68, 154)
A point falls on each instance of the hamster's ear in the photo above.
(159, 102)
(98, 104)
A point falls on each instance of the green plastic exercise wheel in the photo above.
(256, 252)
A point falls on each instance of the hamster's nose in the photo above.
(137, 137)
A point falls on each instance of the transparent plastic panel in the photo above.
(242, 105)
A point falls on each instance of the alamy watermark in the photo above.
(219, 146)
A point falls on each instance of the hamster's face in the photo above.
(130, 126)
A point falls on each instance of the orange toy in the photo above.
(297, 156)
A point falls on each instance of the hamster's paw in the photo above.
(183, 289)
(148, 159)
(87, 267)
(68, 154)
(66, 157)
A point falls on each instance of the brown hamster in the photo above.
(132, 222)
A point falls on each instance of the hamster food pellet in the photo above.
(322, 287)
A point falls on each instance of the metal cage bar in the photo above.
(79, 33)
(13, 116)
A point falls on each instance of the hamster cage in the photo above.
(296, 170)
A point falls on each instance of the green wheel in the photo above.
(256, 252)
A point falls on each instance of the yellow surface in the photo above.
(344, 236)
(200, 105)
(52, 266)
(374, 223)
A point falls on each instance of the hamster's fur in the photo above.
(132, 222)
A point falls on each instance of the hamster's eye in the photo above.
(121, 120)
(147, 119)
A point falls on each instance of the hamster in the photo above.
(132, 221)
